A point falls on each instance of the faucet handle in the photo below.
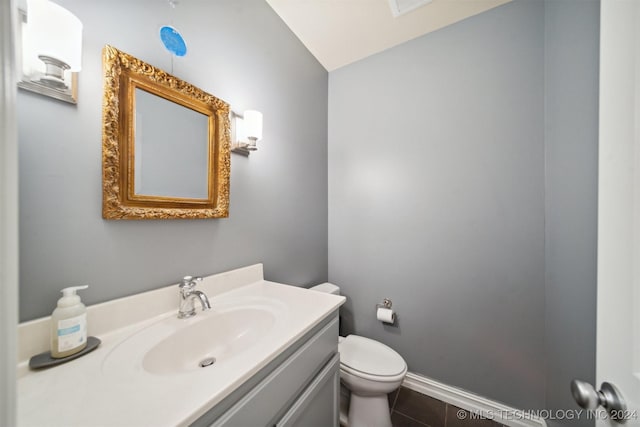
(190, 281)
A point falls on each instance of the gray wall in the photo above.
(571, 144)
(436, 200)
(240, 51)
(464, 187)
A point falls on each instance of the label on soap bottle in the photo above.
(72, 332)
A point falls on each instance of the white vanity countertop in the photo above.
(105, 388)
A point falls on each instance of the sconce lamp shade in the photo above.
(246, 131)
(253, 124)
(54, 32)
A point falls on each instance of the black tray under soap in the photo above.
(44, 360)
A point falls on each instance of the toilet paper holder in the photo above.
(386, 303)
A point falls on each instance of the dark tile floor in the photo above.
(412, 409)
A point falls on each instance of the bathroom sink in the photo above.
(218, 335)
(175, 346)
(148, 365)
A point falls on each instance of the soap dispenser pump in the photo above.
(68, 324)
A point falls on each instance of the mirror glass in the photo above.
(171, 149)
(165, 144)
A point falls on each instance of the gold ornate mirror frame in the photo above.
(124, 73)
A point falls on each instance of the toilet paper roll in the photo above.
(386, 315)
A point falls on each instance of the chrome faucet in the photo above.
(188, 294)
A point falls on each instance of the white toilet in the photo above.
(370, 370)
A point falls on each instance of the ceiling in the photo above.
(339, 32)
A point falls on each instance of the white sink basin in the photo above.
(218, 334)
(175, 346)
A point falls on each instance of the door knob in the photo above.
(609, 397)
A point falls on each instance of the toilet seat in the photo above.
(370, 359)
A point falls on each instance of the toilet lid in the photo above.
(369, 356)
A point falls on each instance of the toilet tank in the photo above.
(328, 288)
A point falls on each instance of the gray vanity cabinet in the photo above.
(299, 388)
(319, 404)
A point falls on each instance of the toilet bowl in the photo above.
(369, 370)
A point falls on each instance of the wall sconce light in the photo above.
(246, 131)
(51, 50)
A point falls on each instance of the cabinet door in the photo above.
(263, 403)
(319, 404)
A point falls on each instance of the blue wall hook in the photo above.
(173, 41)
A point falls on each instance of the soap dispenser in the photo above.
(68, 324)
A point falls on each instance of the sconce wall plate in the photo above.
(69, 95)
(240, 149)
(31, 80)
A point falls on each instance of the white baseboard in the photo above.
(473, 403)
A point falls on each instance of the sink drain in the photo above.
(207, 362)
